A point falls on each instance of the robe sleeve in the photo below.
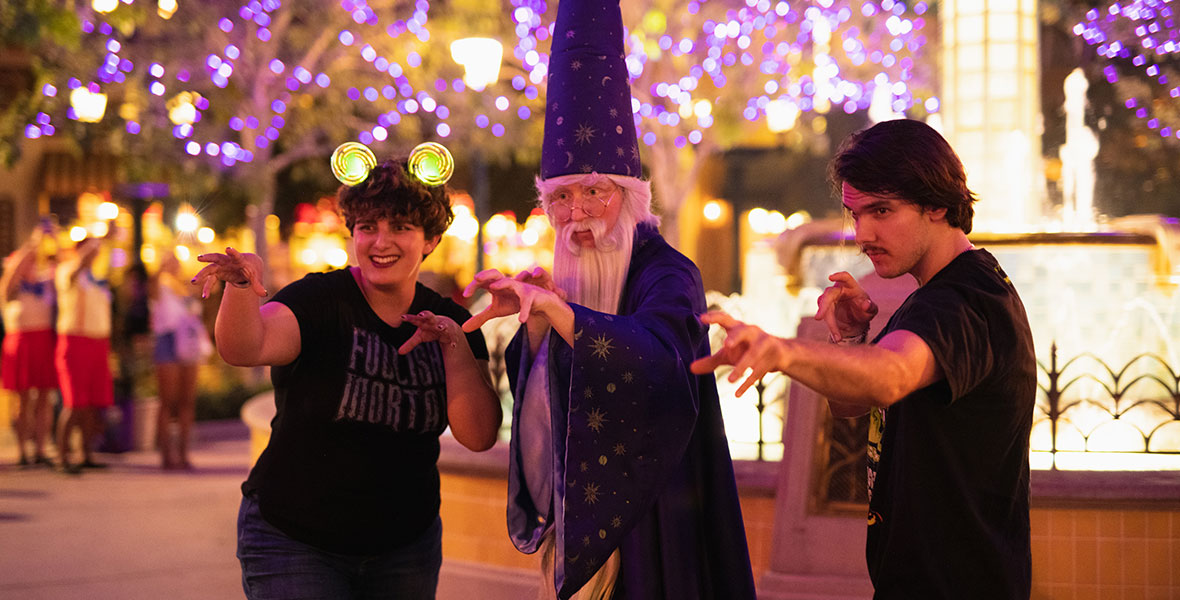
(526, 522)
(621, 425)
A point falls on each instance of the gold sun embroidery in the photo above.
(620, 449)
(628, 377)
(616, 522)
(602, 346)
(594, 420)
(590, 491)
(584, 134)
(588, 393)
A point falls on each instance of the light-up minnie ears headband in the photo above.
(429, 162)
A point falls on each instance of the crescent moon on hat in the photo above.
(605, 79)
(570, 157)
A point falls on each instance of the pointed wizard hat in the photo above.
(588, 119)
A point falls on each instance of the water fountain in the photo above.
(1102, 296)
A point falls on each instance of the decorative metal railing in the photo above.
(1088, 416)
(1128, 417)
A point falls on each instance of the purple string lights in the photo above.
(818, 55)
(1139, 35)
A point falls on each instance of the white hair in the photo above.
(594, 277)
(636, 193)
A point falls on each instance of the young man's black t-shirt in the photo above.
(948, 516)
(351, 463)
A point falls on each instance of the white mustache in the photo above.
(596, 227)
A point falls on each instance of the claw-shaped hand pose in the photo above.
(845, 307)
(431, 328)
(531, 294)
(853, 378)
(241, 269)
(747, 347)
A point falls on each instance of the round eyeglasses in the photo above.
(592, 202)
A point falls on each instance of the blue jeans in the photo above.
(275, 567)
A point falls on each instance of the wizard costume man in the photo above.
(620, 471)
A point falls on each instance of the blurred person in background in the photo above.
(27, 364)
(180, 343)
(83, 353)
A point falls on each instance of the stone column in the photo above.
(991, 106)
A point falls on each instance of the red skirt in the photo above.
(84, 369)
(27, 361)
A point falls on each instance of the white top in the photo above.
(83, 308)
(31, 309)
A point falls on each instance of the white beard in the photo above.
(594, 277)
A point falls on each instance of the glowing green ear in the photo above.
(431, 163)
(351, 162)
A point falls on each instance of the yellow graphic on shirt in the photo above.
(876, 430)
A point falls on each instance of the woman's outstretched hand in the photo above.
(239, 269)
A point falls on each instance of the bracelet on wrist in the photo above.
(849, 340)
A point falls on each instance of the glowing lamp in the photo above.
(465, 226)
(88, 106)
(798, 218)
(480, 58)
(104, 6)
(166, 8)
(308, 257)
(205, 235)
(529, 237)
(77, 233)
(108, 211)
(187, 222)
(336, 257)
(712, 211)
(182, 109)
(781, 115)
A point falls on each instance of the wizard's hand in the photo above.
(541, 278)
(510, 296)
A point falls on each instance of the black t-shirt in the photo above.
(948, 516)
(351, 462)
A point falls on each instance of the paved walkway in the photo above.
(129, 532)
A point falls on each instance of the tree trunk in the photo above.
(674, 173)
(260, 181)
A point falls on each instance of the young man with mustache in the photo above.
(950, 381)
(620, 473)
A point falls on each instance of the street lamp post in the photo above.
(480, 58)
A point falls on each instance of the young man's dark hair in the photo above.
(907, 160)
(391, 192)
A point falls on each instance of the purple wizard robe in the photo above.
(640, 461)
